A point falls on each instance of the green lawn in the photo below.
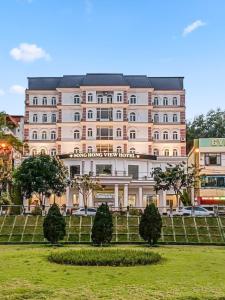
(186, 272)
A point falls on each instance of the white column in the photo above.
(116, 192)
(90, 200)
(125, 196)
(140, 196)
(25, 203)
(162, 201)
(81, 202)
(192, 196)
(69, 200)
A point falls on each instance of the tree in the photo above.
(175, 177)
(211, 125)
(103, 226)
(150, 224)
(8, 144)
(85, 185)
(54, 225)
(42, 176)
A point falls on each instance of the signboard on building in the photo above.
(108, 155)
(212, 142)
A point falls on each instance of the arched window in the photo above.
(100, 99)
(132, 150)
(90, 132)
(133, 99)
(44, 118)
(156, 152)
(165, 135)
(53, 135)
(44, 101)
(90, 97)
(118, 114)
(156, 118)
(53, 100)
(53, 152)
(34, 135)
(76, 150)
(132, 134)
(76, 134)
(34, 152)
(53, 118)
(35, 118)
(119, 149)
(44, 135)
(175, 135)
(90, 114)
(165, 118)
(175, 152)
(119, 97)
(89, 149)
(175, 118)
(109, 98)
(132, 117)
(43, 152)
(156, 101)
(76, 117)
(166, 152)
(156, 135)
(118, 132)
(175, 101)
(165, 101)
(76, 99)
(35, 101)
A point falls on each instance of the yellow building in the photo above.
(208, 157)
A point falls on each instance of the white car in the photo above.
(81, 212)
(194, 211)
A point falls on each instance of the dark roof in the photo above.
(105, 79)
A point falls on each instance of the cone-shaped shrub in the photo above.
(54, 226)
(103, 226)
(150, 224)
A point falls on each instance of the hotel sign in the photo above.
(212, 142)
(108, 155)
(218, 142)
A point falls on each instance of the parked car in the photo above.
(194, 211)
(81, 212)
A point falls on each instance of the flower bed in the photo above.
(104, 257)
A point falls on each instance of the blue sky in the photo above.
(153, 37)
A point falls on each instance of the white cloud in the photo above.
(17, 89)
(193, 26)
(2, 93)
(28, 53)
(88, 6)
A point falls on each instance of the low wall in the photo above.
(179, 230)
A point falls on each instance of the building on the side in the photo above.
(208, 157)
(116, 127)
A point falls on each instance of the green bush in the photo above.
(150, 224)
(54, 225)
(37, 211)
(102, 229)
(104, 257)
(134, 212)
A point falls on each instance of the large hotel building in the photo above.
(115, 127)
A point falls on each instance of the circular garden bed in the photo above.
(104, 257)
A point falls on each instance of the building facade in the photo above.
(208, 157)
(117, 127)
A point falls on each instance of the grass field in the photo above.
(186, 272)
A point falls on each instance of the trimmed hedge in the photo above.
(104, 257)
